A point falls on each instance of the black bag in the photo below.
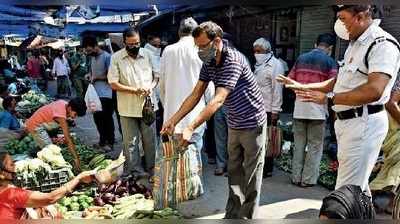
(148, 114)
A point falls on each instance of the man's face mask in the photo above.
(208, 53)
(133, 50)
(341, 30)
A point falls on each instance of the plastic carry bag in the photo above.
(92, 100)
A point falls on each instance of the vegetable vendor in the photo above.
(14, 200)
(8, 119)
(56, 113)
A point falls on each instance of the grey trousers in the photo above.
(305, 165)
(246, 152)
(134, 129)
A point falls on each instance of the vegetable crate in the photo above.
(53, 180)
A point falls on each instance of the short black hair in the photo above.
(326, 39)
(89, 41)
(78, 105)
(210, 28)
(7, 102)
(130, 32)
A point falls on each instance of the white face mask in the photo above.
(341, 30)
(260, 58)
(156, 51)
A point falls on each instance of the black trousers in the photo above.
(209, 139)
(269, 161)
(104, 121)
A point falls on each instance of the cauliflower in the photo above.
(52, 155)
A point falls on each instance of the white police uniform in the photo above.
(360, 138)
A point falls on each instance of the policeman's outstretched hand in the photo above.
(306, 95)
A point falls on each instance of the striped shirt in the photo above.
(244, 104)
(312, 67)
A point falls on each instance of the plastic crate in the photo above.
(54, 180)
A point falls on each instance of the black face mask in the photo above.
(13, 174)
(132, 50)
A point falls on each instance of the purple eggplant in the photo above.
(110, 189)
(102, 188)
(98, 201)
(108, 197)
(121, 190)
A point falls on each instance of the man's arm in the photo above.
(364, 94)
(325, 87)
(71, 146)
(216, 102)
(393, 106)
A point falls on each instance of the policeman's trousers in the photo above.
(359, 142)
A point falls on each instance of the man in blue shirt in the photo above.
(7, 117)
(237, 90)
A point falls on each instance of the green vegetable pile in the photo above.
(25, 146)
(31, 101)
(75, 203)
(327, 176)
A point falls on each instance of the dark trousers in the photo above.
(269, 160)
(209, 139)
(115, 105)
(104, 121)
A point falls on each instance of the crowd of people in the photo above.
(203, 77)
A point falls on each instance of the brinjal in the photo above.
(142, 189)
(133, 190)
(98, 201)
(110, 188)
(107, 197)
(121, 190)
(118, 183)
(102, 188)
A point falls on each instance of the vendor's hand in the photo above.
(186, 137)
(311, 96)
(168, 128)
(86, 177)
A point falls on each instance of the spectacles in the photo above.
(133, 45)
(205, 46)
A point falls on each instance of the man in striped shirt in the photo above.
(236, 88)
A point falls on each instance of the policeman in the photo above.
(359, 92)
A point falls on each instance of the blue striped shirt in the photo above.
(244, 103)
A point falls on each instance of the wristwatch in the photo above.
(330, 96)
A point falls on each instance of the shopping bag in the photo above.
(274, 141)
(148, 114)
(176, 178)
(92, 100)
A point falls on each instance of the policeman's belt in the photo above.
(358, 112)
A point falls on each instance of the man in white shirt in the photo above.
(267, 69)
(179, 73)
(61, 71)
